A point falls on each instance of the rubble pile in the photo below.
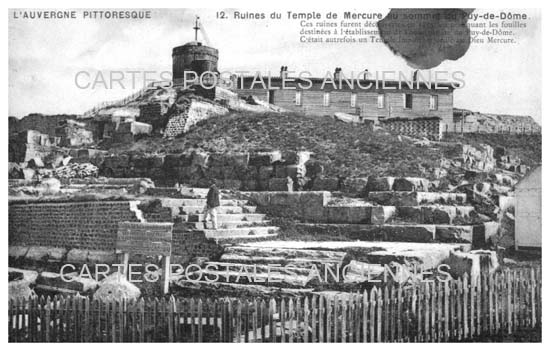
(76, 170)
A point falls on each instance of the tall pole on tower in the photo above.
(196, 28)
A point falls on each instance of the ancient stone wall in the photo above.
(196, 112)
(83, 225)
(188, 244)
(302, 205)
(42, 123)
(430, 128)
(245, 171)
(93, 226)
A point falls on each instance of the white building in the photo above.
(528, 211)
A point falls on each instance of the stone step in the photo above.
(420, 233)
(228, 217)
(283, 256)
(247, 232)
(423, 214)
(414, 198)
(220, 210)
(398, 184)
(184, 193)
(425, 255)
(226, 225)
(194, 192)
(426, 214)
(223, 202)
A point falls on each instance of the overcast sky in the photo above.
(46, 55)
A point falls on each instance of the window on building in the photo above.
(433, 102)
(299, 98)
(381, 101)
(326, 99)
(353, 101)
(407, 100)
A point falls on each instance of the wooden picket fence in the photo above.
(454, 310)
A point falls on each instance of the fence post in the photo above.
(335, 311)
(11, 320)
(491, 303)
(417, 312)
(306, 320)
(508, 302)
(379, 305)
(479, 297)
(446, 311)
(263, 315)
(31, 319)
(171, 309)
(517, 299)
(539, 295)
(314, 317)
(387, 313)
(440, 318)
(473, 297)
(372, 307)
(47, 319)
(282, 317)
(199, 317)
(322, 311)
(498, 303)
(272, 309)
(532, 283)
(357, 317)
(328, 313)
(459, 309)
(141, 307)
(365, 315)
(255, 320)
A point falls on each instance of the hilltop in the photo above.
(344, 149)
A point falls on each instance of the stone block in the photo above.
(37, 253)
(337, 214)
(97, 256)
(407, 233)
(359, 214)
(280, 171)
(279, 184)
(264, 158)
(380, 184)
(54, 282)
(77, 256)
(249, 185)
(314, 169)
(410, 214)
(296, 158)
(178, 160)
(28, 173)
(234, 184)
(265, 172)
(411, 184)
(438, 214)
(328, 184)
(17, 251)
(382, 214)
(56, 253)
(454, 233)
(355, 186)
(295, 171)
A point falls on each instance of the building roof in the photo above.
(358, 84)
